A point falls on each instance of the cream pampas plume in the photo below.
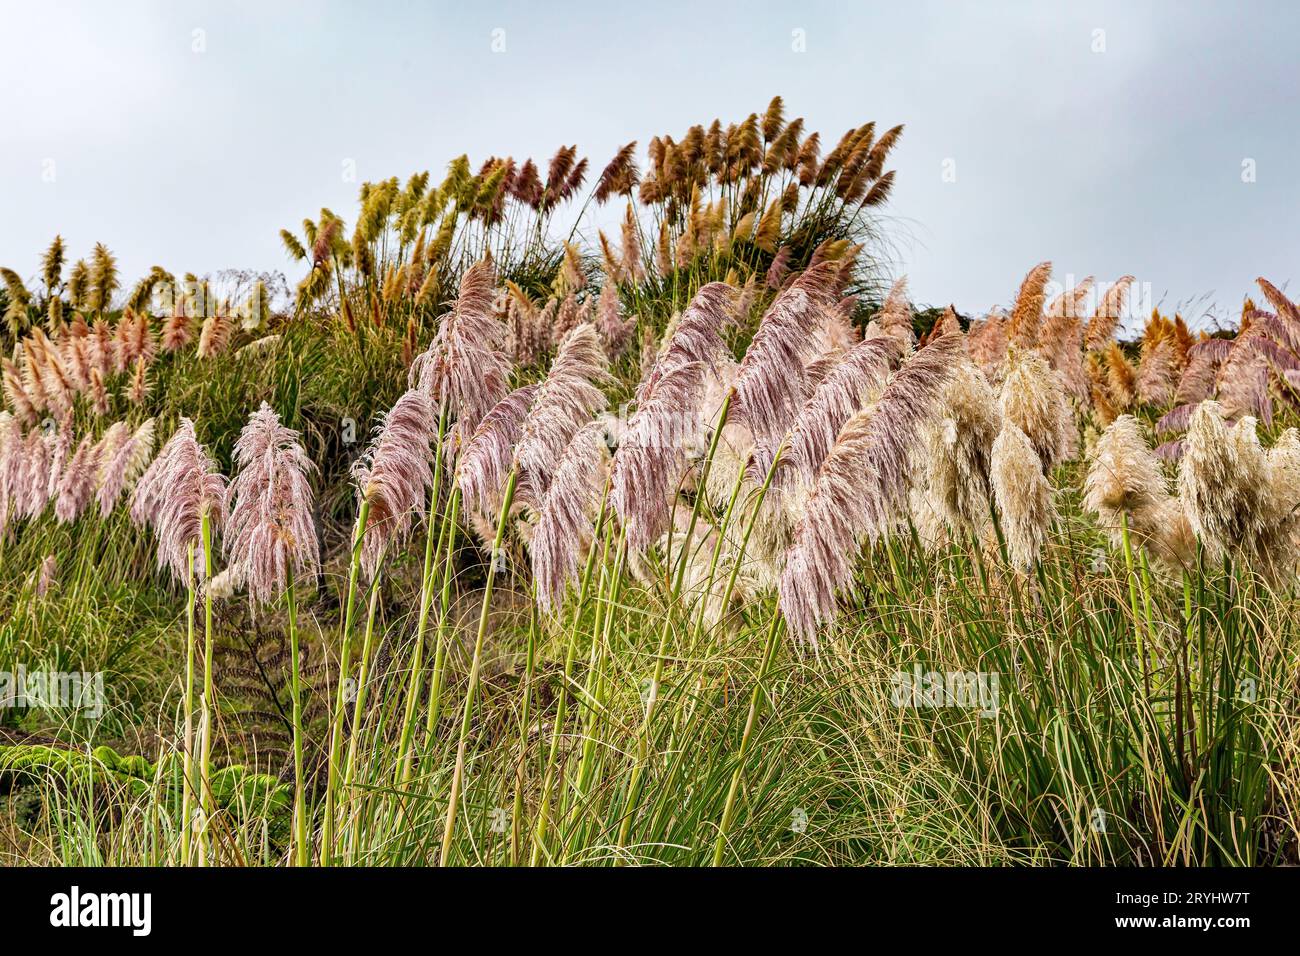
(651, 457)
(1101, 327)
(271, 533)
(464, 365)
(1027, 314)
(1032, 400)
(1022, 494)
(567, 515)
(860, 488)
(394, 475)
(1223, 481)
(1124, 484)
(953, 459)
(174, 493)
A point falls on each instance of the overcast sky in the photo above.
(1111, 138)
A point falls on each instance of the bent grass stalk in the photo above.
(661, 650)
(471, 692)
(333, 771)
(562, 702)
(426, 600)
(301, 841)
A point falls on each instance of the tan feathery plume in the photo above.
(615, 331)
(895, 316)
(633, 269)
(215, 334)
(986, 343)
(15, 391)
(1023, 495)
(1159, 363)
(1100, 331)
(861, 488)
(1121, 377)
(1027, 314)
(1061, 338)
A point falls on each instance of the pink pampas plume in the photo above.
(861, 488)
(16, 395)
(464, 365)
(772, 382)
(394, 474)
(565, 401)
(844, 390)
(487, 457)
(895, 316)
(76, 483)
(566, 518)
(12, 451)
(615, 331)
(651, 456)
(271, 532)
(47, 576)
(173, 495)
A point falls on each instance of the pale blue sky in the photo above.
(1122, 161)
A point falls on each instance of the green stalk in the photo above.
(562, 704)
(425, 601)
(359, 701)
(345, 665)
(472, 691)
(661, 650)
(755, 700)
(209, 702)
(440, 654)
(516, 831)
(1133, 601)
(187, 783)
(299, 783)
